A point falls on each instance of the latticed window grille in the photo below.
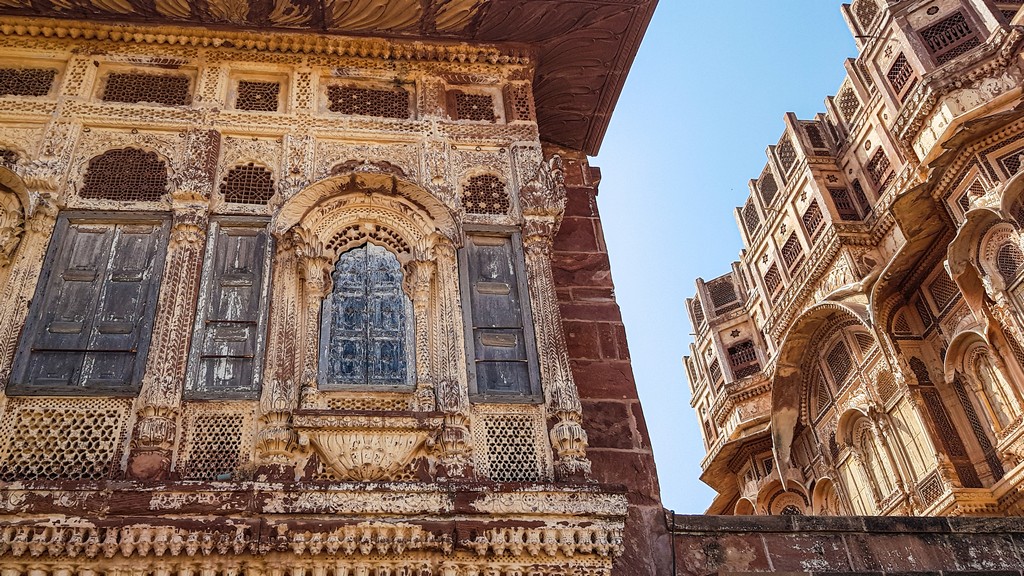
(878, 166)
(887, 388)
(1009, 13)
(1009, 259)
(510, 443)
(723, 293)
(214, 448)
(361, 101)
(899, 73)
(839, 361)
(822, 398)
(248, 184)
(900, 325)
(866, 11)
(991, 457)
(848, 103)
(257, 96)
(743, 359)
(1018, 350)
(786, 153)
(814, 135)
(864, 341)
(479, 107)
(923, 312)
(812, 218)
(26, 81)
(133, 87)
(709, 432)
(943, 291)
(792, 252)
(1011, 162)
(1017, 212)
(767, 186)
(698, 314)
(859, 197)
(485, 194)
(715, 370)
(750, 218)
(772, 280)
(844, 204)
(950, 37)
(125, 175)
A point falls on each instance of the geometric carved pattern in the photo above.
(844, 204)
(899, 73)
(900, 325)
(812, 218)
(943, 290)
(61, 439)
(485, 195)
(26, 81)
(698, 313)
(259, 96)
(750, 217)
(371, 403)
(479, 107)
(878, 166)
(171, 90)
(786, 153)
(792, 252)
(991, 457)
(864, 341)
(772, 280)
(887, 388)
(215, 442)
(923, 312)
(248, 184)
(1009, 259)
(767, 186)
(356, 235)
(839, 362)
(866, 11)
(1011, 161)
(848, 103)
(125, 175)
(723, 294)
(510, 443)
(392, 103)
(716, 370)
(930, 488)
(950, 37)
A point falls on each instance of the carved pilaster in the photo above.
(315, 275)
(160, 397)
(543, 202)
(21, 281)
(449, 363)
(419, 275)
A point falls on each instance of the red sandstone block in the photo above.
(648, 545)
(635, 470)
(604, 380)
(899, 552)
(607, 424)
(592, 294)
(622, 345)
(581, 270)
(577, 235)
(599, 234)
(609, 342)
(581, 202)
(700, 555)
(582, 339)
(641, 426)
(594, 311)
(813, 552)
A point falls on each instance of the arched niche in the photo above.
(825, 499)
(788, 386)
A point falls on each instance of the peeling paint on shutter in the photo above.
(500, 341)
(229, 339)
(94, 311)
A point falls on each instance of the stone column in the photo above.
(543, 202)
(159, 403)
(274, 438)
(449, 362)
(315, 275)
(418, 280)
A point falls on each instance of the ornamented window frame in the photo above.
(106, 70)
(283, 93)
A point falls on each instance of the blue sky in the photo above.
(704, 99)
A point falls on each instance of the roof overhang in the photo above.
(583, 48)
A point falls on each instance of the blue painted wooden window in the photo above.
(366, 322)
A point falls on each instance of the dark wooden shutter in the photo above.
(94, 311)
(366, 331)
(229, 337)
(501, 343)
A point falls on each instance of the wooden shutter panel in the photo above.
(94, 311)
(228, 338)
(501, 350)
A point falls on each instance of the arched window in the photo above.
(126, 175)
(366, 322)
(1009, 259)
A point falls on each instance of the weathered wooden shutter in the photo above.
(228, 337)
(501, 343)
(94, 311)
(366, 330)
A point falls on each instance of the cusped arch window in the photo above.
(366, 333)
(1009, 260)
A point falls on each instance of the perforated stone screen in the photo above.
(943, 291)
(786, 153)
(812, 218)
(923, 313)
(899, 73)
(772, 280)
(479, 107)
(127, 175)
(363, 101)
(26, 81)
(510, 443)
(485, 194)
(848, 103)
(61, 438)
(135, 87)
(767, 186)
(792, 252)
(1009, 259)
(750, 218)
(839, 362)
(878, 166)
(950, 37)
(866, 11)
(257, 96)
(216, 443)
(248, 184)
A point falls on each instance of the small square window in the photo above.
(257, 95)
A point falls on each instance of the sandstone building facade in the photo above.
(866, 354)
(315, 288)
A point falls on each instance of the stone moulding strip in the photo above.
(282, 42)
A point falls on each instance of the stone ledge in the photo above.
(871, 524)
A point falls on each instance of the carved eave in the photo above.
(584, 49)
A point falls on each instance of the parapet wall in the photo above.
(855, 545)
